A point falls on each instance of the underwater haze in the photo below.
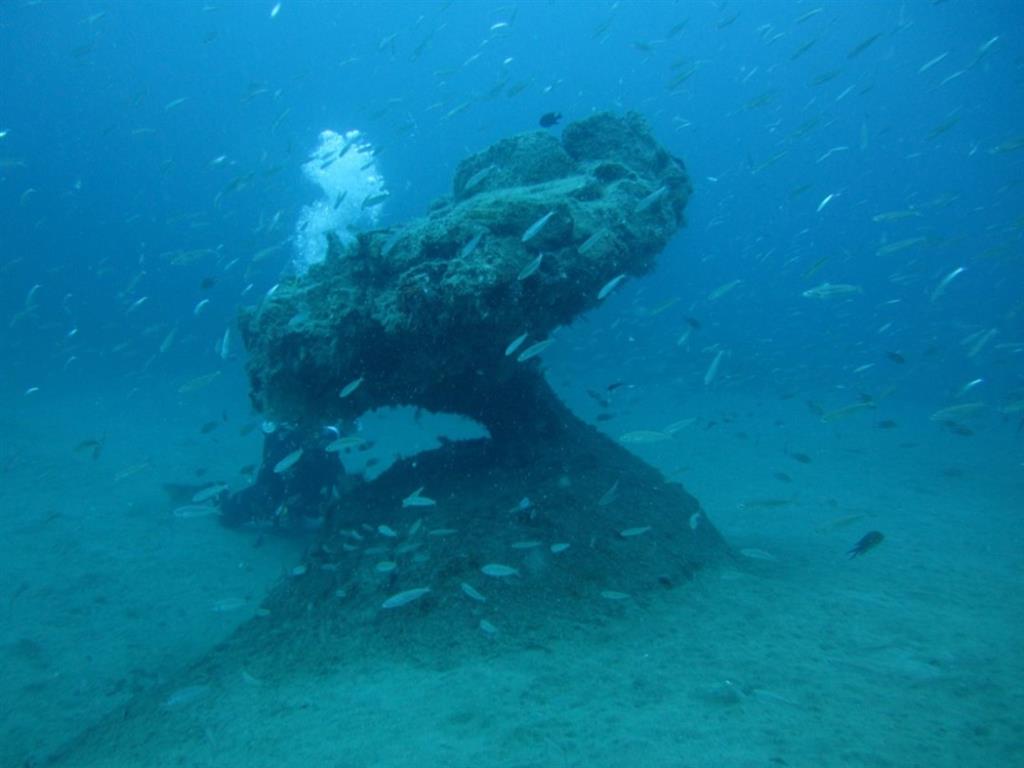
(829, 357)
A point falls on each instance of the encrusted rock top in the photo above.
(423, 312)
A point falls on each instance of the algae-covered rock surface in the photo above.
(423, 313)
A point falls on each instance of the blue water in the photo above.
(134, 133)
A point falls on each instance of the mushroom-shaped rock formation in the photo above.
(424, 314)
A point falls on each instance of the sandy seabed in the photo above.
(794, 656)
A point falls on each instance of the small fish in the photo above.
(815, 266)
(867, 542)
(534, 349)
(932, 62)
(414, 499)
(899, 245)
(499, 571)
(515, 344)
(678, 426)
(487, 628)
(371, 200)
(941, 287)
(192, 511)
(630, 533)
(95, 447)
(224, 348)
(611, 594)
(609, 495)
(969, 386)
(721, 290)
(470, 247)
(200, 307)
(471, 593)
(651, 199)
(610, 286)
(275, 10)
(964, 410)
(549, 119)
(531, 268)
(479, 177)
(387, 531)
(537, 226)
(828, 290)
(185, 696)
(644, 436)
(351, 387)
(862, 46)
(712, 370)
(288, 462)
(404, 598)
(344, 443)
(591, 241)
(896, 215)
(559, 547)
(758, 554)
(828, 199)
(227, 604)
(209, 492)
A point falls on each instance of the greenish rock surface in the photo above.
(424, 312)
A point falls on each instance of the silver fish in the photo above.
(288, 462)
(610, 286)
(404, 598)
(415, 500)
(651, 199)
(537, 226)
(499, 571)
(534, 349)
(516, 343)
(828, 290)
(472, 593)
(351, 387)
(530, 268)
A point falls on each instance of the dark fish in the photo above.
(896, 357)
(605, 416)
(207, 283)
(95, 447)
(693, 323)
(615, 385)
(208, 427)
(887, 424)
(958, 429)
(867, 542)
(549, 119)
(803, 458)
(783, 477)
